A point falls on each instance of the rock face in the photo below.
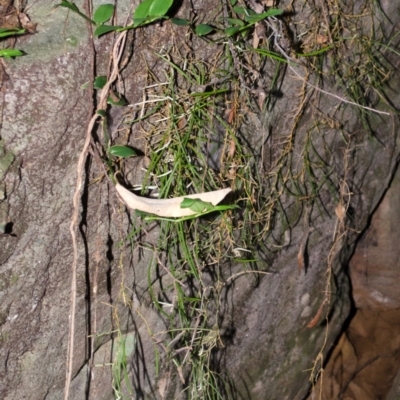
(375, 265)
(365, 361)
(327, 165)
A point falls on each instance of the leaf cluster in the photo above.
(6, 32)
(147, 12)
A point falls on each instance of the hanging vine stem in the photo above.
(118, 50)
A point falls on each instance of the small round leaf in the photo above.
(103, 13)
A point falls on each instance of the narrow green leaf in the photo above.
(72, 6)
(208, 94)
(102, 29)
(158, 8)
(197, 205)
(254, 18)
(122, 151)
(232, 30)
(233, 2)
(75, 9)
(103, 13)
(274, 11)
(235, 21)
(180, 21)
(7, 53)
(243, 11)
(270, 54)
(4, 32)
(203, 29)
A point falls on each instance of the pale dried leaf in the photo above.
(168, 207)
(317, 317)
(300, 259)
(322, 39)
(269, 3)
(340, 212)
(231, 149)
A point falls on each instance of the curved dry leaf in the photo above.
(168, 207)
(316, 317)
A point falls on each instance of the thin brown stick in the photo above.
(117, 54)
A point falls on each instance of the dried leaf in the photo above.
(168, 207)
(182, 123)
(269, 3)
(300, 259)
(322, 39)
(340, 212)
(231, 149)
(180, 373)
(261, 99)
(256, 40)
(162, 384)
(317, 317)
(231, 173)
(27, 23)
(231, 115)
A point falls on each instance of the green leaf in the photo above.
(4, 32)
(235, 21)
(102, 113)
(180, 21)
(233, 2)
(203, 29)
(7, 53)
(158, 8)
(254, 18)
(103, 13)
(142, 10)
(232, 30)
(72, 6)
(270, 54)
(150, 10)
(99, 82)
(122, 151)
(102, 29)
(208, 94)
(197, 205)
(243, 11)
(75, 9)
